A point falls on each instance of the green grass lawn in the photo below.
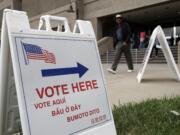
(151, 117)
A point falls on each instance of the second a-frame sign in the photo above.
(58, 79)
(159, 34)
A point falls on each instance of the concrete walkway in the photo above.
(158, 82)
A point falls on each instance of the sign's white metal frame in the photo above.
(159, 34)
(17, 22)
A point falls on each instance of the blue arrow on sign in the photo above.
(80, 69)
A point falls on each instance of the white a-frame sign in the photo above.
(159, 34)
(57, 76)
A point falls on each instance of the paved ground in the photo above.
(158, 82)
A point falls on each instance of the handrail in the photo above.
(105, 44)
(178, 53)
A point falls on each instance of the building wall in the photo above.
(35, 7)
(92, 9)
(5, 4)
(13, 4)
(98, 8)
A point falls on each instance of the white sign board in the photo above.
(159, 34)
(59, 83)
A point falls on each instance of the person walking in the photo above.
(122, 41)
(156, 47)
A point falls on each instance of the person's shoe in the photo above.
(130, 70)
(111, 71)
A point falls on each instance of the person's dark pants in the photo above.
(120, 49)
(156, 51)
